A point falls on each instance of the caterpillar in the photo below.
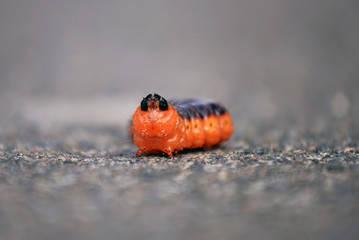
(161, 126)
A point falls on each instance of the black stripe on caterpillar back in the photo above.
(193, 108)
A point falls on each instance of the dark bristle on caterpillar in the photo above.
(161, 126)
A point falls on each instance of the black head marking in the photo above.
(158, 97)
(144, 106)
(163, 104)
(148, 96)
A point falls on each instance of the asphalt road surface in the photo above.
(85, 183)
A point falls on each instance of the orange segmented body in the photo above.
(159, 126)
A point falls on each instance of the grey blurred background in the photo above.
(273, 63)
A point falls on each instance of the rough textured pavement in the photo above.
(85, 183)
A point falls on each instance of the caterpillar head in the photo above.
(154, 102)
(154, 117)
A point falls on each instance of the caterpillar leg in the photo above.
(169, 151)
(139, 152)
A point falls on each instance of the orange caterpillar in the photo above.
(168, 127)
